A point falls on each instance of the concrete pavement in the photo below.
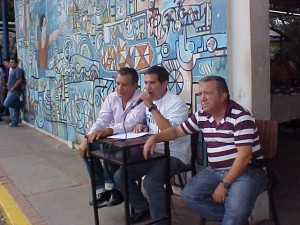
(48, 183)
(43, 181)
(44, 176)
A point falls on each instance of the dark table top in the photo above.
(124, 143)
(115, 148)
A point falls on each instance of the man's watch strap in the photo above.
(152, 107)
(225, 185)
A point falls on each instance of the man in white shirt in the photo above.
(164, 110)
(116, 107)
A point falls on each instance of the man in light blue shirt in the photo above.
(163, 110)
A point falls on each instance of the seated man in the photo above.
(111, 120)
(226, 190)
(164, 110)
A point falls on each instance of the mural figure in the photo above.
(72, 49)
(43, 44)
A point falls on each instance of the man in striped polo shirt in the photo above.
(227, 189)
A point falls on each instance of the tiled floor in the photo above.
(52, 159)
(286, 166)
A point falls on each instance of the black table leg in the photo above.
(125, 185)
(95, 208)
(168, 184)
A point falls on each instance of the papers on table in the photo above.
(128, 136)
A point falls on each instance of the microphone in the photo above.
(139, 101)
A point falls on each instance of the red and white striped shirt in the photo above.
(237, 128)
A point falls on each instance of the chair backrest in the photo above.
(197, 154)
(268, 133)
(200, 153)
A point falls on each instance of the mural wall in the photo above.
(71, 49)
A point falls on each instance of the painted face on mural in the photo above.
(125, 87)
(155, 88)
(211, 100)
(43, 27)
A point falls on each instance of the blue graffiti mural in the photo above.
(71, 50)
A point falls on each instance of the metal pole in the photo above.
(5, 44)
(95, 207)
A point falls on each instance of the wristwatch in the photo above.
(225, 185)
(152, 107)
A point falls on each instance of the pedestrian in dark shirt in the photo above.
(2, 85)
(14, 86)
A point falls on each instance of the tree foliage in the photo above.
(289, 25)
(10, 11)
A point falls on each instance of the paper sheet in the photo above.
(129, 135)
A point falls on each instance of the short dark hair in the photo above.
(161, 72)
(221, 83)
(2, 67)
(129, 71)
(6, 59)
(16, 60)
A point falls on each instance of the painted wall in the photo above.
(71, 49)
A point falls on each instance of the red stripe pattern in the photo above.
(237, 128)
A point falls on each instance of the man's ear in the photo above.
(165, 83)
(224, 96)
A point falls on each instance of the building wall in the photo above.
(248, 58)
(71, 50)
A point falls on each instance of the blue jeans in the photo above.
(13, 102)
(1, 103)
(102, 175)
(240, 199)
(153, 183)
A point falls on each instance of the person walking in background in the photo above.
(2, 88)
(227, 189)
(14, 85)
(8, 69)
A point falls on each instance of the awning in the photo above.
(277, 35)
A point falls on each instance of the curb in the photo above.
(10, 209)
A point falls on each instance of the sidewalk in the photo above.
(47, 183)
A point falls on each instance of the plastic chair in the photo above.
(182, 175)
(198, 156)
(268, 134)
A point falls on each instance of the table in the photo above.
(285, 108)
(124, 154)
